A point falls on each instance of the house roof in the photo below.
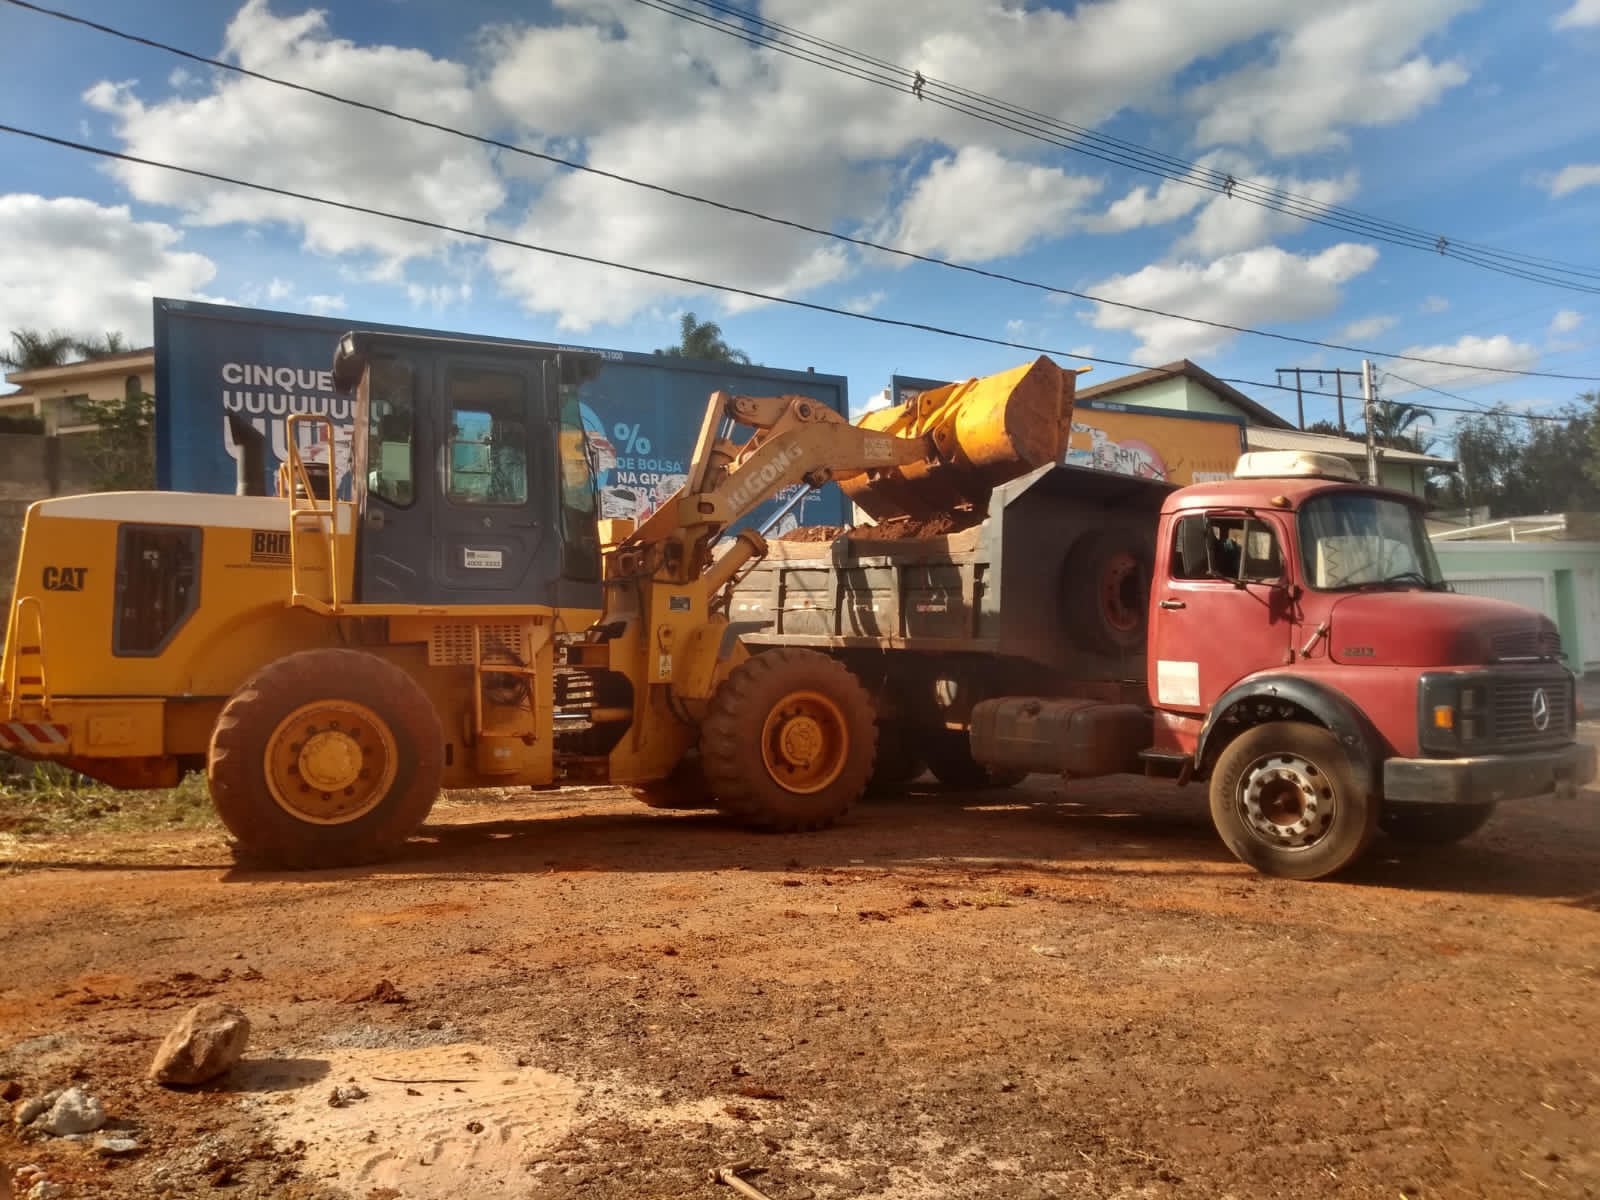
(1259, 438)
(105, 364)
(1257, 412)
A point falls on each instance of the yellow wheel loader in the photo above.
(467, 619)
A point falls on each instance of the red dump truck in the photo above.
(1284, 637)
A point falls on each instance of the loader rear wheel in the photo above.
(789, 741)
(325, 758)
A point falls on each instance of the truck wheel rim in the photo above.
(1288, 801)
(1121, 612)
(330, 762)
(805, 742)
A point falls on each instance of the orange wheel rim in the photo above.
(330, 762)
(805, 742)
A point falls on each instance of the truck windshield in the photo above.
(1349, 540)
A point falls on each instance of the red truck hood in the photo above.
(1427, 629)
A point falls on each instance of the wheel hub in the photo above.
(330, 761)
(1287, 801)
(801, 741)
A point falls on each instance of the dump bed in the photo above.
(1055, 581)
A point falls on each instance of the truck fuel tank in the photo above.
(1055, 736)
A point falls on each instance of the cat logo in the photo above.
(64, 579)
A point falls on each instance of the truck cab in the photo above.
(1308, 658)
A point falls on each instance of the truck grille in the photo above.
(1515, 708)
(1527, 645)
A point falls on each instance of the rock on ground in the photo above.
(205, 1044)
(75, 1111)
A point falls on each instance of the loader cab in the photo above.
(473, 481)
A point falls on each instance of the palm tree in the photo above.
(1392, 423)
(702, 339)
(32, 350)
(101, 345)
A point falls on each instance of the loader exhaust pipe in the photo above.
(250, 467)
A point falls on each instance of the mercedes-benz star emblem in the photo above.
(1541, 710)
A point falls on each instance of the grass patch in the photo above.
(49, 799)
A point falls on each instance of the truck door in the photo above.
(1220, 608)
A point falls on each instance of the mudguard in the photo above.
(1344, 720)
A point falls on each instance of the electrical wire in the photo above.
(757, 215)
(1117, 151)
(498, 239)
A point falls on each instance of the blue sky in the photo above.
(1478, 120)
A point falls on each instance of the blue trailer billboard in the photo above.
(642, 411)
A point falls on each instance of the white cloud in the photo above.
(323, 304)
(438, 296)
(70, 264)
(1344, 64)
(1229, 223)
(1582, 13)
(1366, 327)
(1571, 179)
(1254, 287)
(1434, 304)
(979, 205)
(257, 131)
(279, 289)
(866, 303)
(1565, 321)
(1497, 351)
(1173, 199)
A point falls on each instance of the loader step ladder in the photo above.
(309, 515)
(27, 685)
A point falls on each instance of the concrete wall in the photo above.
(35, 467)
(1569, 573)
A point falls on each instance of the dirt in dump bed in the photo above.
(900, 529)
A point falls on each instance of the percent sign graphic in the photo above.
(629, 438)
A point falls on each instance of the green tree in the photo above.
(1520, 468)
(122, 451)
(32, 350)
(101, 345)
(1394, 425)
(702, 339)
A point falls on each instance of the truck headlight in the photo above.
(1450, 713)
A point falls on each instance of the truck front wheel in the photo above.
(1286, 801)
(789, 741)
(1433, 824)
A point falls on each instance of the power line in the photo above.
(1118, 152)
(757, 215)
(750, 293)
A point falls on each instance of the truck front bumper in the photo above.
(1490, 779)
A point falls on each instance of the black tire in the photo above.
(789, 741)
(896, 763)
(949, 756)
(395, 773)
(686, 789)
(1286, 801)
(1433, 824)
(1105, 592)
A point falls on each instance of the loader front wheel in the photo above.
(789, 741)
(325, 758)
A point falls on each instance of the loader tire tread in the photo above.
(731, 750)
(269, 836)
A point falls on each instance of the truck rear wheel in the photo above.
(949, 756)
(1286, 801)
(325, 758)
(789, 741)
(684, 789)
(1433, 824)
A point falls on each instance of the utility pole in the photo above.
(1338, 374)
(1367, 398)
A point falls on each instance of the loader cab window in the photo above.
(577, 458)
(1226, 547)
(487, 459)
(391, 430)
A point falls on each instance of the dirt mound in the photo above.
(899, 529)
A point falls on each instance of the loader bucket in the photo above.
(981, 433)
